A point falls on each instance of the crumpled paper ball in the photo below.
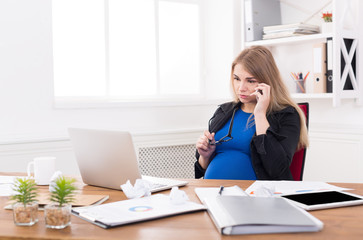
(54, 177)
(140, 189)
(178, 196)
(265, 190)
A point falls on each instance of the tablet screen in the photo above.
(321, 198)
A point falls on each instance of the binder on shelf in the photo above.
(319, 67)
(234, 215)
(329, 65)
(259, 13)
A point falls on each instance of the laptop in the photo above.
(108, 159)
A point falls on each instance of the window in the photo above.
(127, 49)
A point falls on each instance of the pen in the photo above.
(221, 190)
(306, 76)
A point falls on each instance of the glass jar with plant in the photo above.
(58, 214)
(25, 208)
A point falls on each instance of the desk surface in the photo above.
(339, 223)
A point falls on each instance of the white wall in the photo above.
(28, 119)
(26, 100)
(26, 89)
(336, 142)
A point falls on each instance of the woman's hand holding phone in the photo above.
(262, 94)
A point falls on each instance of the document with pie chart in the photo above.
(134, 210)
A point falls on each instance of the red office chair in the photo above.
(298, 160)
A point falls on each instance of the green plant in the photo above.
(328, 17)
(63, 190)
(26, 191)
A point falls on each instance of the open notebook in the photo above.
(108, 159)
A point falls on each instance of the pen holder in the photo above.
(300, 86)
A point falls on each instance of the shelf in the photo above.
(290, 40)
(297, 53)
(312, 95)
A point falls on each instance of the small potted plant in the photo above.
(25, 208)
(327, 25)
(58, 214)
(328, 17)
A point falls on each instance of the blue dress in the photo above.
(233, 158)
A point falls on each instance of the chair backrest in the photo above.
(298, 160)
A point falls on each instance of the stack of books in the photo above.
(289, 30)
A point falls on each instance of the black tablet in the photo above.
(323, 200)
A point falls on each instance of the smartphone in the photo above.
(260, 91)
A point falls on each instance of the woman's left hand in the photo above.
(263, 98)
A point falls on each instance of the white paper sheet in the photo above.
(6, 184)
(7, 179)
(205, 192)
(6, 190)
(135, 210)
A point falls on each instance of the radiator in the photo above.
(167, 161)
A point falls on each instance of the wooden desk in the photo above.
(339, 223)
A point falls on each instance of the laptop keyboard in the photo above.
(156, 185)
(162, 183)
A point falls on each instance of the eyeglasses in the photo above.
(226, 138)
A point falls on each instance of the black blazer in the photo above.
(271, 153)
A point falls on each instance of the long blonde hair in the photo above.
(259, 62)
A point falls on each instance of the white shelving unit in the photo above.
(346, 59)
(290, 40)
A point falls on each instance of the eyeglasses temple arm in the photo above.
(231, 124)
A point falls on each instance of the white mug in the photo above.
(44, 168)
